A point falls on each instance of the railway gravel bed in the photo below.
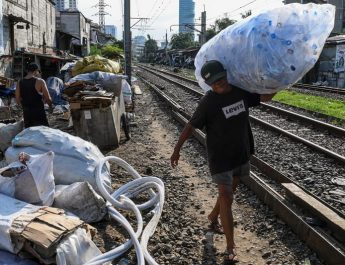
(304, 130)
(312, 170)
(319, 93)
(311, 114)
(315, 115)
(182, 236)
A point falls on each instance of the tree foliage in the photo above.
(182, 41)
(150, 45)
(218, 26)
(150, 48)
(110, 51)
(95, 50)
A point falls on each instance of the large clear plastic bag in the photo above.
(272, 50)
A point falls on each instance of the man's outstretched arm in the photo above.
(186, 133)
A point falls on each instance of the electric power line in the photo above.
(233, 10)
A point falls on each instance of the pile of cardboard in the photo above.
(84, 95)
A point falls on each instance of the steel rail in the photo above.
(189, 89)
(316, 147)
(260, 164)
(193, 82)
(328, 89)
(337, 130)
(318, 241)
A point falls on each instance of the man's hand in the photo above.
(174, 158)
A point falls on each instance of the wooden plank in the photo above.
(316, 241)
(335, 222)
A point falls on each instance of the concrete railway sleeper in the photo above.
(326, 244)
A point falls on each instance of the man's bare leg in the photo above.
(213, 216)
(225, 206)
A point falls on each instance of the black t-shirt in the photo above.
(228, 134)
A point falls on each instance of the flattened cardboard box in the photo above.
(41, 232)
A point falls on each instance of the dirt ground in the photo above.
(182, 235)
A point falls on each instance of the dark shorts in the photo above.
(227, 176)
(35, 117)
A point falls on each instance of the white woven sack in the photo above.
(75, 159)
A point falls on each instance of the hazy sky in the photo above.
(164, 13)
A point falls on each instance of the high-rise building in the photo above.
(111, 30)
(186, 15)
(66, 4)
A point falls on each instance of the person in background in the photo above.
(224, 112)
(68, 74)
(55, 87)
(31, 93)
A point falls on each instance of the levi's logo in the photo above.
(234, 109)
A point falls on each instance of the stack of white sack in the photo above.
(75, 159)
(272, 50)
(31, 182)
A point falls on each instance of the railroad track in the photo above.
(282, 193)
(332, 90)
(288, 123)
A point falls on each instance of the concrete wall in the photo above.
(41, 13)
(76, 24)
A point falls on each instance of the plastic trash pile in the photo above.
(48, 168)
(272, 50)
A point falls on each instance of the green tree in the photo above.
(218, 26)
(112, 51)
(150, 48)
(95, 50)
(182, 41)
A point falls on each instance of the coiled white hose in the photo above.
(121, 199)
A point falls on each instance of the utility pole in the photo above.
(128, 40)
(203, 27)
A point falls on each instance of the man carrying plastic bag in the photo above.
(224, 112)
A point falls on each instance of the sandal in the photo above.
(215, 226)
(229, 257)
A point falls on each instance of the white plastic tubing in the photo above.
(121, 198)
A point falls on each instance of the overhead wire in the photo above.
(233, 10)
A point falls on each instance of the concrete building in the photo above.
(138, 46)
(186, 15)
(339, 23)
(78, 26)
(27, 34)
(62, 5)
(111, 30)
